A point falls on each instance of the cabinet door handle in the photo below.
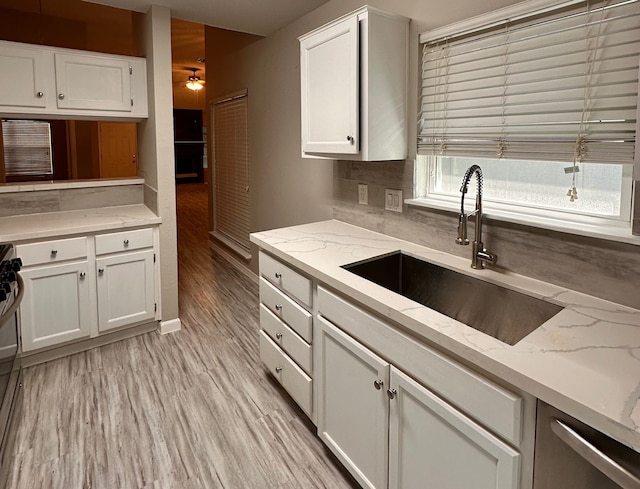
(278, 275)
(351, 139)
(378, 384)
(278, 307)
(278, 336)
(391, 393)
(61, 96)
(82, 275)
(126, 242)
(54, 252)
(40, 94)
(100, 271)
(278, 370)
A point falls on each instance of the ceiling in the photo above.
(261, 17)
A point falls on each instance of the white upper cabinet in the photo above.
(52, 82)
(92, 82)
(354, 87)
(330, 89)
(22, 76)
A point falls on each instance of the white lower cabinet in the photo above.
(72, 294)
(126, 289)
(56, 307)
(390, 431)
(431, 444)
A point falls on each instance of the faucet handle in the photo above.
(462, 230)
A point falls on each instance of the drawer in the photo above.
(292, 282)
(489, 403)
(296, 317)
(298, 349)
(52, 251)
(124, 241)
(291, 377)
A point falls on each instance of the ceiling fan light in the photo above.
(194, 85)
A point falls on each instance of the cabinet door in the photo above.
(329, 70)
(56, 305)
(22, 77)
(353, 413)
(126, 285)
(431, 444)
(92, 82)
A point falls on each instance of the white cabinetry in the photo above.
(354, 87)
(71, 294)
(126, 279)
(64, 83)
(363, 399)
(22, 76)
(286, 329)
(56, 307)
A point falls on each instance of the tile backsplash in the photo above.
(598, 267)
(68, 199)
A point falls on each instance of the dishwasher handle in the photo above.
(600, 460)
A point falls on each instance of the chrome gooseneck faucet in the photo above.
(480, 255)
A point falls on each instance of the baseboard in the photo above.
(170, 326)
(233, 259)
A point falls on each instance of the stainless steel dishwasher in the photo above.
(571, 455)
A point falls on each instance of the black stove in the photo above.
(11, 291)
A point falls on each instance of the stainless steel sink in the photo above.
(502, 313)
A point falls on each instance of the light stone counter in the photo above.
(585, 360)
(51, 224)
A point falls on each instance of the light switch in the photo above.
(363, 194)
(393, 200)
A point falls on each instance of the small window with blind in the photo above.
(546, 104)
(27, 148)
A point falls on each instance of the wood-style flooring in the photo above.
(193, 409)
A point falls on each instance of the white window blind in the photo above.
(561, 86)
(27, 148)
(231, 172)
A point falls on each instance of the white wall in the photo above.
(156, 154)
(285, 188)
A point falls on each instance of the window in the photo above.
(231, 172)
(27, 148)
(543, 103)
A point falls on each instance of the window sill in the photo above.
(619, 232)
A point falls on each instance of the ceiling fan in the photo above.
(194, 82)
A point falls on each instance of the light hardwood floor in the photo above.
(193, 409)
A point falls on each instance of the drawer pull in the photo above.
(278, 307)
(54, 252)
(391, 393)
(278, 275)
(61, 96)
(100, 271)
(278, 370)
(126, 242)
(378, 384)
(278, 336)
(82, 275)
(40, 94)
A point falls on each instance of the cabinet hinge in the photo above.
(154, 258)
(131, 102)
(155, 307)
(131, 70)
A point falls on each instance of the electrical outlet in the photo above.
(363, 194)
(393, 200)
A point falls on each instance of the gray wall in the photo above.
(286, 189)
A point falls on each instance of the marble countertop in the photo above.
(584, 361)
(50, 224)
